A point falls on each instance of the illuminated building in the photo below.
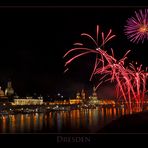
(28, 101)
(106, 102)
(3, 98)
(94, 99)
(94, 94)
(75, 101)
(59, 102)
(78, 95)
(1, 93)
(83, 96)
(9, 91)
(78, 99)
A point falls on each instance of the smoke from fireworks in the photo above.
(137, 27)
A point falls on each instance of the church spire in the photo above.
(83, 94)
(78, 95)
(94, 94)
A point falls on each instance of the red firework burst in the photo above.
(84, 50)
(137, 27)
(131, 81)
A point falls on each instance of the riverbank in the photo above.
(134, 123)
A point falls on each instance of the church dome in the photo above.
(1, 92)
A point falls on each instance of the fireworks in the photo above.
(137, 27)
(130, 80)
(86, 50)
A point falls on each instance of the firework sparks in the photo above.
(137, 27)
(130, 81)
(85, 50)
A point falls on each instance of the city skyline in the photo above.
(34, 40)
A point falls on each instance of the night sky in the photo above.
(33, 41)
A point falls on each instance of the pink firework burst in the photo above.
(130, 80)
(137, 27)
(84, 50)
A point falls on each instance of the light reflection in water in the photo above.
(35, 123)
(21, 123)
(12, 123)
(28, 123)
(114, 112)
(4, 124)
(85, 120)
(59, 121)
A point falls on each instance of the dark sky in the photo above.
(33, 41)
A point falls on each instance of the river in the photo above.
(75, 121)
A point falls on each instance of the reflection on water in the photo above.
(86, 120)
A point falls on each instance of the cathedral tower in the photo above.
(9, 91)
